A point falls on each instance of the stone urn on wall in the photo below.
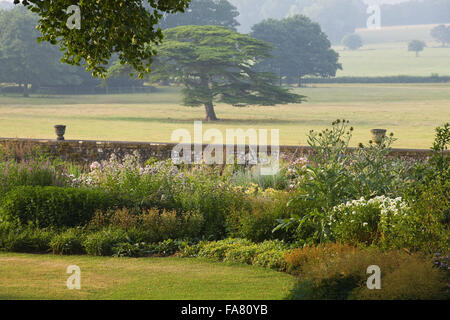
(60, 131)
(378, 135)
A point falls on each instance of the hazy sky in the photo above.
(383, 1)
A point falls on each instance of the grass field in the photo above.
(412, 111)
(31, 276)
(385, 53)
(392, 59)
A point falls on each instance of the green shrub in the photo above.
(102, 243)
(273, 259)
(257, 222)
(163, 249)
(151, 226)
(212, 198)
(426, 227)
(169, 247)
(54, 206)
(27, 240)
(310, 227)
(242, 254)
(269, 254)
(217, 250)
(192, 250)
(131, 250)
(68, 242)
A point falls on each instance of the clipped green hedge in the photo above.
(54, 206)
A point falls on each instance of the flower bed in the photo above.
(125, 207)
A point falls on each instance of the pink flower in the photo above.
(95, 165)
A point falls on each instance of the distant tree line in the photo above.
(32, 65)
(298, 48)
(416, 12)
(341, 17)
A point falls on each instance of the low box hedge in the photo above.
(54, 206)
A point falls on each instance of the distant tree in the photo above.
(352, 41)
(124, 27)
(204, 13)
(416, 46)
(22, 59)
(337, 17)
(254, 11)
(300, 48)
(215, 64)
(441, 33)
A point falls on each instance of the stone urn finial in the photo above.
(60, 131)
(378, 135)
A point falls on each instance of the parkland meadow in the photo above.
(411, 111)
(403, 33)
(393, 58)
(385, 53)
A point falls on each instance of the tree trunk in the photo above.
(25, 90)
(209, 105)
(210, 113)
(299, 80)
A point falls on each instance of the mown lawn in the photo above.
(31, 276)
(412, 111)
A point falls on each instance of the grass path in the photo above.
(29, 276)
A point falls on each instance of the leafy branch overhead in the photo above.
(109, 26)
(215, 64)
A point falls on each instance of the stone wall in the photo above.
(86, 151)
